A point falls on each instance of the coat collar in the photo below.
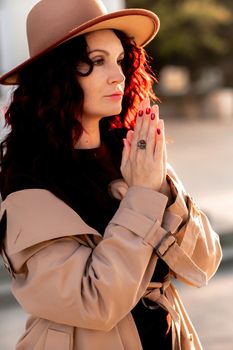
(36, 215)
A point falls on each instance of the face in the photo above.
(104, 87)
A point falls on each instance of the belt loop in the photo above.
(165, 244)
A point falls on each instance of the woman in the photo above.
(93, 230)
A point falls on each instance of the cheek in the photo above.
(91, 89)
(90, 98)
(84, 85)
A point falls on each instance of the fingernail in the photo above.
(158, 131)
(140, 113)
(152, 116)
(148, 111)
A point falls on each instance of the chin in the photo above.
(111, 113)
(116, 111)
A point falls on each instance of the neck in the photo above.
(90, 137)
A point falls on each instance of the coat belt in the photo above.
(156, 292)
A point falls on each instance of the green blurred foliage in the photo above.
(192, 32)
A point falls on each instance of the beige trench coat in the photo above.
(79, 287)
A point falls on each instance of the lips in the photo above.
(118, 93)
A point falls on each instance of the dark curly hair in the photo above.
(42, 115)
(42, 118)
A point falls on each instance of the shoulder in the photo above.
(35, 216)
(18, 179)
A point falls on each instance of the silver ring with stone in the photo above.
(141, 144)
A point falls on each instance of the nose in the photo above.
(116, 75)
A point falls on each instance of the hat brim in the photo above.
(139, 24)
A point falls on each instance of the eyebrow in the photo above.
(104, 51)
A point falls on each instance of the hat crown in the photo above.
(51, 20)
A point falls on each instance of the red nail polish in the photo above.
(140, 113)
(158, 131)
(148, 111)
(152, 116)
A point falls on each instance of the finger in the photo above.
(165, 160)
(139, 119)
(143, 132)
(144, 105)
(165, 147)
(125, 153)
(165, 154)
(137, 127)
(152, 134)
(159, 149)
(129, 136)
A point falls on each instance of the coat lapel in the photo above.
(36, 215)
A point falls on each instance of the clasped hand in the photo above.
(145, 167)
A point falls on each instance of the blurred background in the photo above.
(192, 58)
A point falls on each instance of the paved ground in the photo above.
(202, 154)
(211, 309)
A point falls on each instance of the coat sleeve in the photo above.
(70, 283)
(195, 252)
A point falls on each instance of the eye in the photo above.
(120, 61)
(98, 62)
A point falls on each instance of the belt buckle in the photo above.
(150, 307)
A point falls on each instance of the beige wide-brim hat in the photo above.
(52, 22)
